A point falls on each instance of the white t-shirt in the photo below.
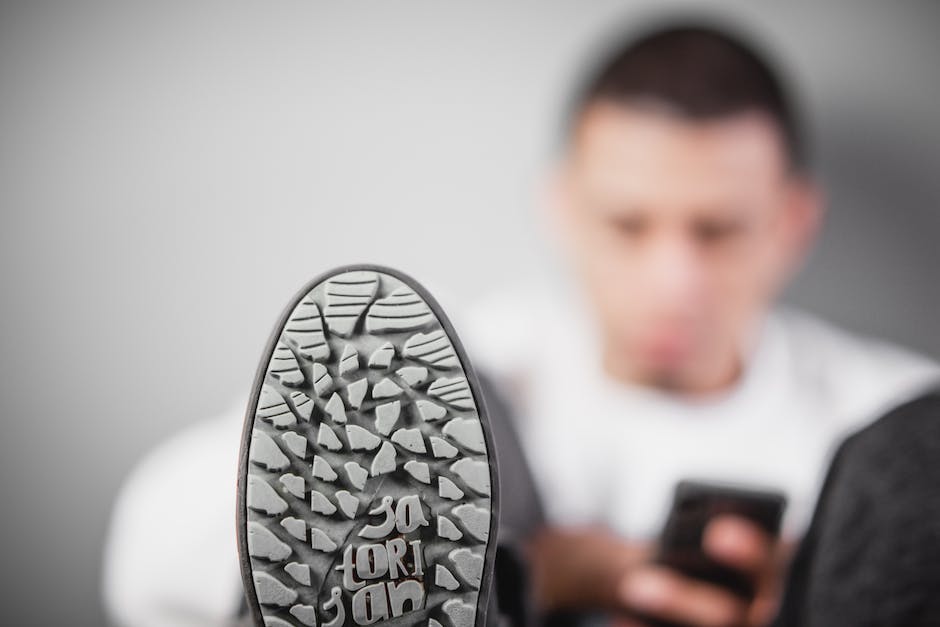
(600, 451)
(605, 452)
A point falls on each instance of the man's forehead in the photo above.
(650, 142)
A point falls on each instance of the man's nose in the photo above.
(675, 271)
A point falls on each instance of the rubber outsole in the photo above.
(368, 488)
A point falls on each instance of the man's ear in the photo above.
(806, 206)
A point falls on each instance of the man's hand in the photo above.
(593, 568)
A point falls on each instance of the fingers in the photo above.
(580, 567)
(739, 543)
(770, 587)
(763, 609)
(589, 566)
(662, 593)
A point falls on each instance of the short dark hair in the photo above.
(701, 72)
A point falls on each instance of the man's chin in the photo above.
(665, 380)
(644, 366)
(673, 371)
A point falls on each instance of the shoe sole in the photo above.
(367, 478)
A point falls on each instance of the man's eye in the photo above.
(631, 227)
(715, 232)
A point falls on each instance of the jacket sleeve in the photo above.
(871, 556)
(170, 557)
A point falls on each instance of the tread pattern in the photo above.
(368, 488)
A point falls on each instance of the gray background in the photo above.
(171, 172)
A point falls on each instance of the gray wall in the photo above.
(171, 172)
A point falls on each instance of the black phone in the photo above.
(694, 505)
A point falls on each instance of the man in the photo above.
(684, 203)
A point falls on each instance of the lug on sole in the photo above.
(367, 484)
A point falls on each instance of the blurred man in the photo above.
(684, 202)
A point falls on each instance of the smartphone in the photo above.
(694, 505)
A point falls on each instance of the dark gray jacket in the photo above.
(871, 556)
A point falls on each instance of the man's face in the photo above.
(683, 232)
